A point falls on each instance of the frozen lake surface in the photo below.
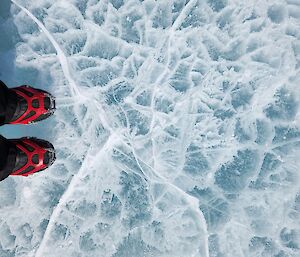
(177, 128)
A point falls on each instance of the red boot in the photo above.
(32, 105)
(32, 155)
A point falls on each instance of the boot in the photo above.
(31, 155)
(28, 105)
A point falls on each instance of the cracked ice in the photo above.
(177, 128)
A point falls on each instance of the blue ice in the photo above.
(177, 128)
